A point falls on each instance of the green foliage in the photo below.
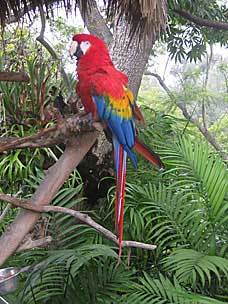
(186, 43)
(24, 103)
(187, 40)
(62, 32)
(182, 210)
(220, 131)
(69, 274)
(195, 268)
(161, 290)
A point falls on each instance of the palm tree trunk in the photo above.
(129, 55)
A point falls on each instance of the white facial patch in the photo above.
(73, 47)
(85, 45)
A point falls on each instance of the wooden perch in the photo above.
(79, 216)
(14, 77)
(60, 133)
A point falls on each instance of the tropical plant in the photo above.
(184, 213)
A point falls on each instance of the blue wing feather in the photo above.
(99, 101)
(123, 129)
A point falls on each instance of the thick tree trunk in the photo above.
(130, 56)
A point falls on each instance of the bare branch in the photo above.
(206, 133)
(14, 77)
(79, 216)
(162, 84)
(41, 39)
(201, 21)
(29, 244)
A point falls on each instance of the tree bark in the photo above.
(202, 21)
(94, 21)
(129, 55)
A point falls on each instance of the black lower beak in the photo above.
(78, 53)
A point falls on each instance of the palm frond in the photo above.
(161, 290)
(190, 266)
(168, 218)
(61, 270)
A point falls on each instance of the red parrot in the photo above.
(104, 93)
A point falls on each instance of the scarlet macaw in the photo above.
(104, 93)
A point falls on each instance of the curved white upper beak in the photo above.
(73, 48)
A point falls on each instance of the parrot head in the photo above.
(84, 44)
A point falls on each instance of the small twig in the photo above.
(162, 84)
(4, 212)
(79, 216)
(14, 143)
(29, 244)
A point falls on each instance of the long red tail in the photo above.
(148, 154)
(120, 159)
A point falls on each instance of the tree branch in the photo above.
(206, 133)
(41, 39)
(56, 175)
(60, 133)
(29, 244)
(79, 216)
(14, 77)
(94, 21)
(201, 21)
(162, 84)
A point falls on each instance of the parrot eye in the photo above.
(85, 45)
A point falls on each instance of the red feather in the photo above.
(120, 191)
(147, 153)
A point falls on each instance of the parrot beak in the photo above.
(75, 50)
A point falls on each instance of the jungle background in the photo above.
(179, 75)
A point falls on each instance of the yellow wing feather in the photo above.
(122, 106)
